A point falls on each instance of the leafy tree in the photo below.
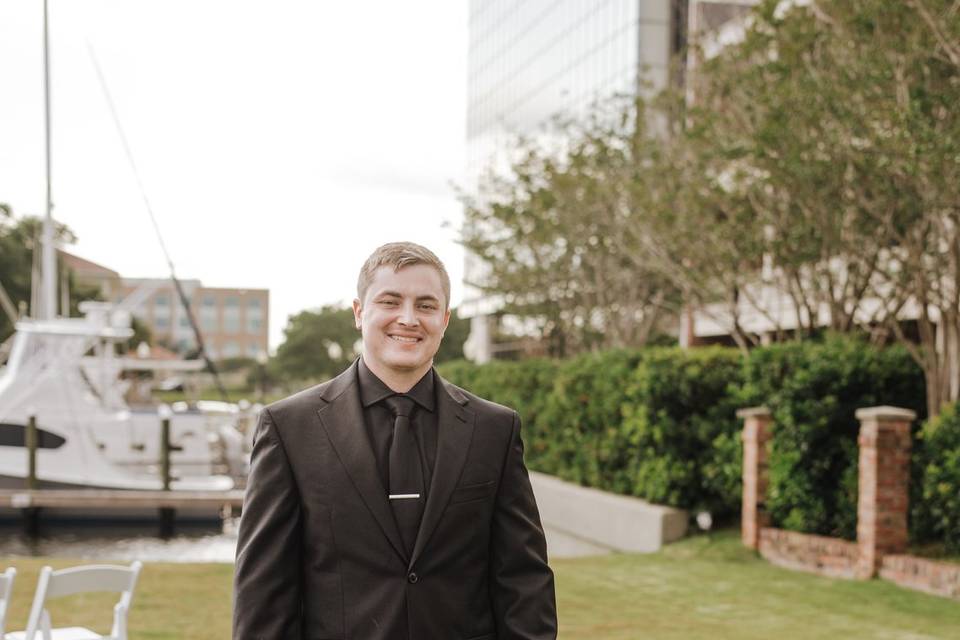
(550, 236)
(141, 333)
(694, 229)
(451, 348)
(818, 161)
(317, 345)
(839, 124)
(19, 238)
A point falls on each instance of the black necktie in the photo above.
(406, 490)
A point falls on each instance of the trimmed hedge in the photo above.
(660, 424)
(813, 391)
(681, 427)
(524, 386)
(584, 413)
(935, 501)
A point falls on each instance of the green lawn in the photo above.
(699, 588)
(715, 588)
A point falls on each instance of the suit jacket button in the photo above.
(413, 578)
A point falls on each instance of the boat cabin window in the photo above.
(15, 435)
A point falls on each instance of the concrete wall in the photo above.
(605, 520)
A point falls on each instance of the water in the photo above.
(189, 544)
(124, 544)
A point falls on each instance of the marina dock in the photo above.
(98, 499)
(72, 506)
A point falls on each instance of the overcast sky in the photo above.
(279, 142)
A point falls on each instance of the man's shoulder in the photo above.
(310, 399)
(311, 396)
(481, 405)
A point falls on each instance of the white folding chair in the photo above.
(66, 582)
(6, 588)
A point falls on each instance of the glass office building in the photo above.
(531, 60)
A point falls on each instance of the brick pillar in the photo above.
(757, 426)
(884, 479)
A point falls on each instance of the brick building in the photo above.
(234, 322)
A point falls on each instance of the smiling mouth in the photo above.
(405, 339)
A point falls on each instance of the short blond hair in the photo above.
(399, 255)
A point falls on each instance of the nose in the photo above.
(408, 316)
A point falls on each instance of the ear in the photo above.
(357, 313)
(446, 320)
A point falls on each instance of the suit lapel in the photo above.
(342, 418)
(455, 430)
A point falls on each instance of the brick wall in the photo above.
(884, 472)
(805, 552)
(756, 474)
(884, 475)
(938, 578)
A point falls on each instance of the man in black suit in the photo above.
(387, 503)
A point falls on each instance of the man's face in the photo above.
(402, 319)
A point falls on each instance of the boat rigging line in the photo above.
(184, 301)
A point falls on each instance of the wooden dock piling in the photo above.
(31, 515)
(167, 515)
(32, 453)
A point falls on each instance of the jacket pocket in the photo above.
(486, 636)
(470, 492)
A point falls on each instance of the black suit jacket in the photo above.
(319, 554)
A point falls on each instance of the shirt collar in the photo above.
(373, 389)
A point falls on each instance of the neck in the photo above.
(397, 381)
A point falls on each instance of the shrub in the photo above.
(680, 435)
(524, 386)
(583, 417)
(660, 424)
(813, 391)
(936, 499)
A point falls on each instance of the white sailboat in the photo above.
(87, 436)
(65, 373)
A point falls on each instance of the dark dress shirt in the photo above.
(379, 421)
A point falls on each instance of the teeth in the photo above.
(403, 339)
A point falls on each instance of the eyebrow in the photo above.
(397, 294)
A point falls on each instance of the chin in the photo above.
(406, 361)
(405, 364)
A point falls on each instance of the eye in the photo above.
(428, 306)
(389, 303)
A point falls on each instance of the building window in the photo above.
(231, 321)
(208, 313)
(254, 316)
(161, 311)
(231, 315)
(231, 350)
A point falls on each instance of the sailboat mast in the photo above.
(48, 267)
